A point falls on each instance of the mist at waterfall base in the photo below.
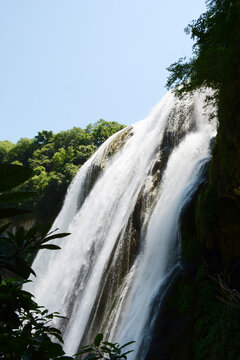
(122, 210)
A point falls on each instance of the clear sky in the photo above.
(66, 63)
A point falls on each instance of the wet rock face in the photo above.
(222, 234)
(210, 232)
(180, 121)
(130, 238)
(100, 162)
(181, 117)
(128, 243)
(92, 175)
(120, 262)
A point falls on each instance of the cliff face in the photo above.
(200, 318)
(207, 293)
(218, 209)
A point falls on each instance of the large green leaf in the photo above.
(98, 339)
(91, 357)
(12, 175)
(50, 247)
(128, 343)
(56, 236)
(4, 228)
(22, 269)
(10, 212)
(16, 196)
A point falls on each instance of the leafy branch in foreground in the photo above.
(104, 350)
(26, 330)
(17, 246)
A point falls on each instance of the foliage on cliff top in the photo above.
(216, 55)
(55, 159)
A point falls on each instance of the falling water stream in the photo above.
(122, 210)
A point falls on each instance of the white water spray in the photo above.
(122, 211)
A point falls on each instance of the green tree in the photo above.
(55, 160)
(73, 137)
(216, 54)
(43, 138)
(102, 130)
(42, 157)
(62, 157)
(5, 147)
(21, 152)
(83, 153)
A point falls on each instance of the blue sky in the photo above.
(66, 63)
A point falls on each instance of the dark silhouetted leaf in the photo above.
(128, 352)
(91, 357)
(16, 196)
(10, 212)
(13, 175)
(98, 339)
(56, 236)
(86, 350)
(22, 269)
(50, 247)
(4, 228)
(128, 343)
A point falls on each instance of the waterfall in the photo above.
(122, 211)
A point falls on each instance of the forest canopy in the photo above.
(55, 159)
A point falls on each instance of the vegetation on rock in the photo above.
(206, 297)
(216, 64)
(55, 159)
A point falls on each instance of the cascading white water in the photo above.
(122, 211)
